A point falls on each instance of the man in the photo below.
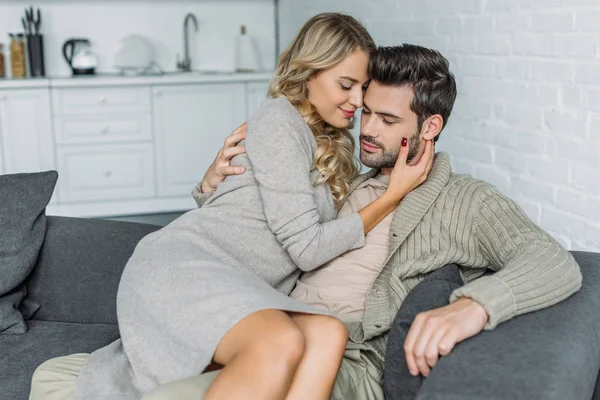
(448, 219)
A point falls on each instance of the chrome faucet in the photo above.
(186, 63)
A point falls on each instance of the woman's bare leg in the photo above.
(325, 339)
(260, 355)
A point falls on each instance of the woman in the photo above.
(212, 286)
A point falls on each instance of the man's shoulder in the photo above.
(461, 185)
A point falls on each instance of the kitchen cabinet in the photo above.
(191, 123)
(26, 130)
(123, 145)
(106, 172)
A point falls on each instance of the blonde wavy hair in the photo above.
(323, 42)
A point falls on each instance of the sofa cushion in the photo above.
(20, 355)
(79, 268)
(552, 353)
(22, 228)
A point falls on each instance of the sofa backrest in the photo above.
(79, 268)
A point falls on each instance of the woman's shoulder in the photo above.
(278, 112)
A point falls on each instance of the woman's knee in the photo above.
(324, 329)
(285, 342)
(264, 335)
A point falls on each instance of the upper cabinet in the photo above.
(191, 123)
(26, 129)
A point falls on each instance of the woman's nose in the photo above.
(356, 99)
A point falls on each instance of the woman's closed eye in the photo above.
(345, 87)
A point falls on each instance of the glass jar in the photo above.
(2, 62)
(17, 56)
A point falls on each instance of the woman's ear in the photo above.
(308, 83)
(432, 127)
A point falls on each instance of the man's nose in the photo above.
(366, 127)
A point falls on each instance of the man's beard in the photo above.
(389, 157)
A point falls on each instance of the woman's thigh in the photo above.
(261, 331)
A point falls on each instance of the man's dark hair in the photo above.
(425, 70)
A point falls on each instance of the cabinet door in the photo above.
(191, 123)
(26, 129)
(256, 95)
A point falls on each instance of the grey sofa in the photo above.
(550, 354)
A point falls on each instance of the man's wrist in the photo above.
(205, 188)
(477, 308)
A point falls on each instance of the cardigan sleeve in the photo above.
(278, 145)
(533, 270)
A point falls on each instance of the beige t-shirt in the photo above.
(341, 285)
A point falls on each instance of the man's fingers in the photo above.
(448, 342)
(231, 152)
(409, 344)
(235, 138)
(427, 332)
(432, 350)
(240, 128)
(226, 171)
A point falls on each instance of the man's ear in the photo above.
(432, 127)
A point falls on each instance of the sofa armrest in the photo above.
(79, 268)
(553, 353)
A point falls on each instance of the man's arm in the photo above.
(221, 166)
(534, 271)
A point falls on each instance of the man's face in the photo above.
(386, 119)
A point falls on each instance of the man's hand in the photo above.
(436, 332)
(220, 168)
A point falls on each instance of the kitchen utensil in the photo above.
(134, 55)
(32, 21)
(79, 56)
(246, 59)
(25, 25)
(35, 48)
(35, 42)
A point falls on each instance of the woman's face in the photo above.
(337, 92)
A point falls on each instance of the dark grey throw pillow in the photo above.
(432, 292)
(23, 201)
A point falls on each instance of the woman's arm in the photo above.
(279, 149)
(403, 179)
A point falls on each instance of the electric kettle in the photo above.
(79, 56)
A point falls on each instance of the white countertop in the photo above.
(168, 78)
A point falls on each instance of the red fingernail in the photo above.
(404, 142)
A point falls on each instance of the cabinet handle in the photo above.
(3, 98)
(108, 174)
(157, 93)
(105, 130)
(102, 100)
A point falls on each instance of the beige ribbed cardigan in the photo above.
(455, 218)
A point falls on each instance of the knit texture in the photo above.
(456, 219)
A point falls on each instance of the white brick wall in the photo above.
(527, 117)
